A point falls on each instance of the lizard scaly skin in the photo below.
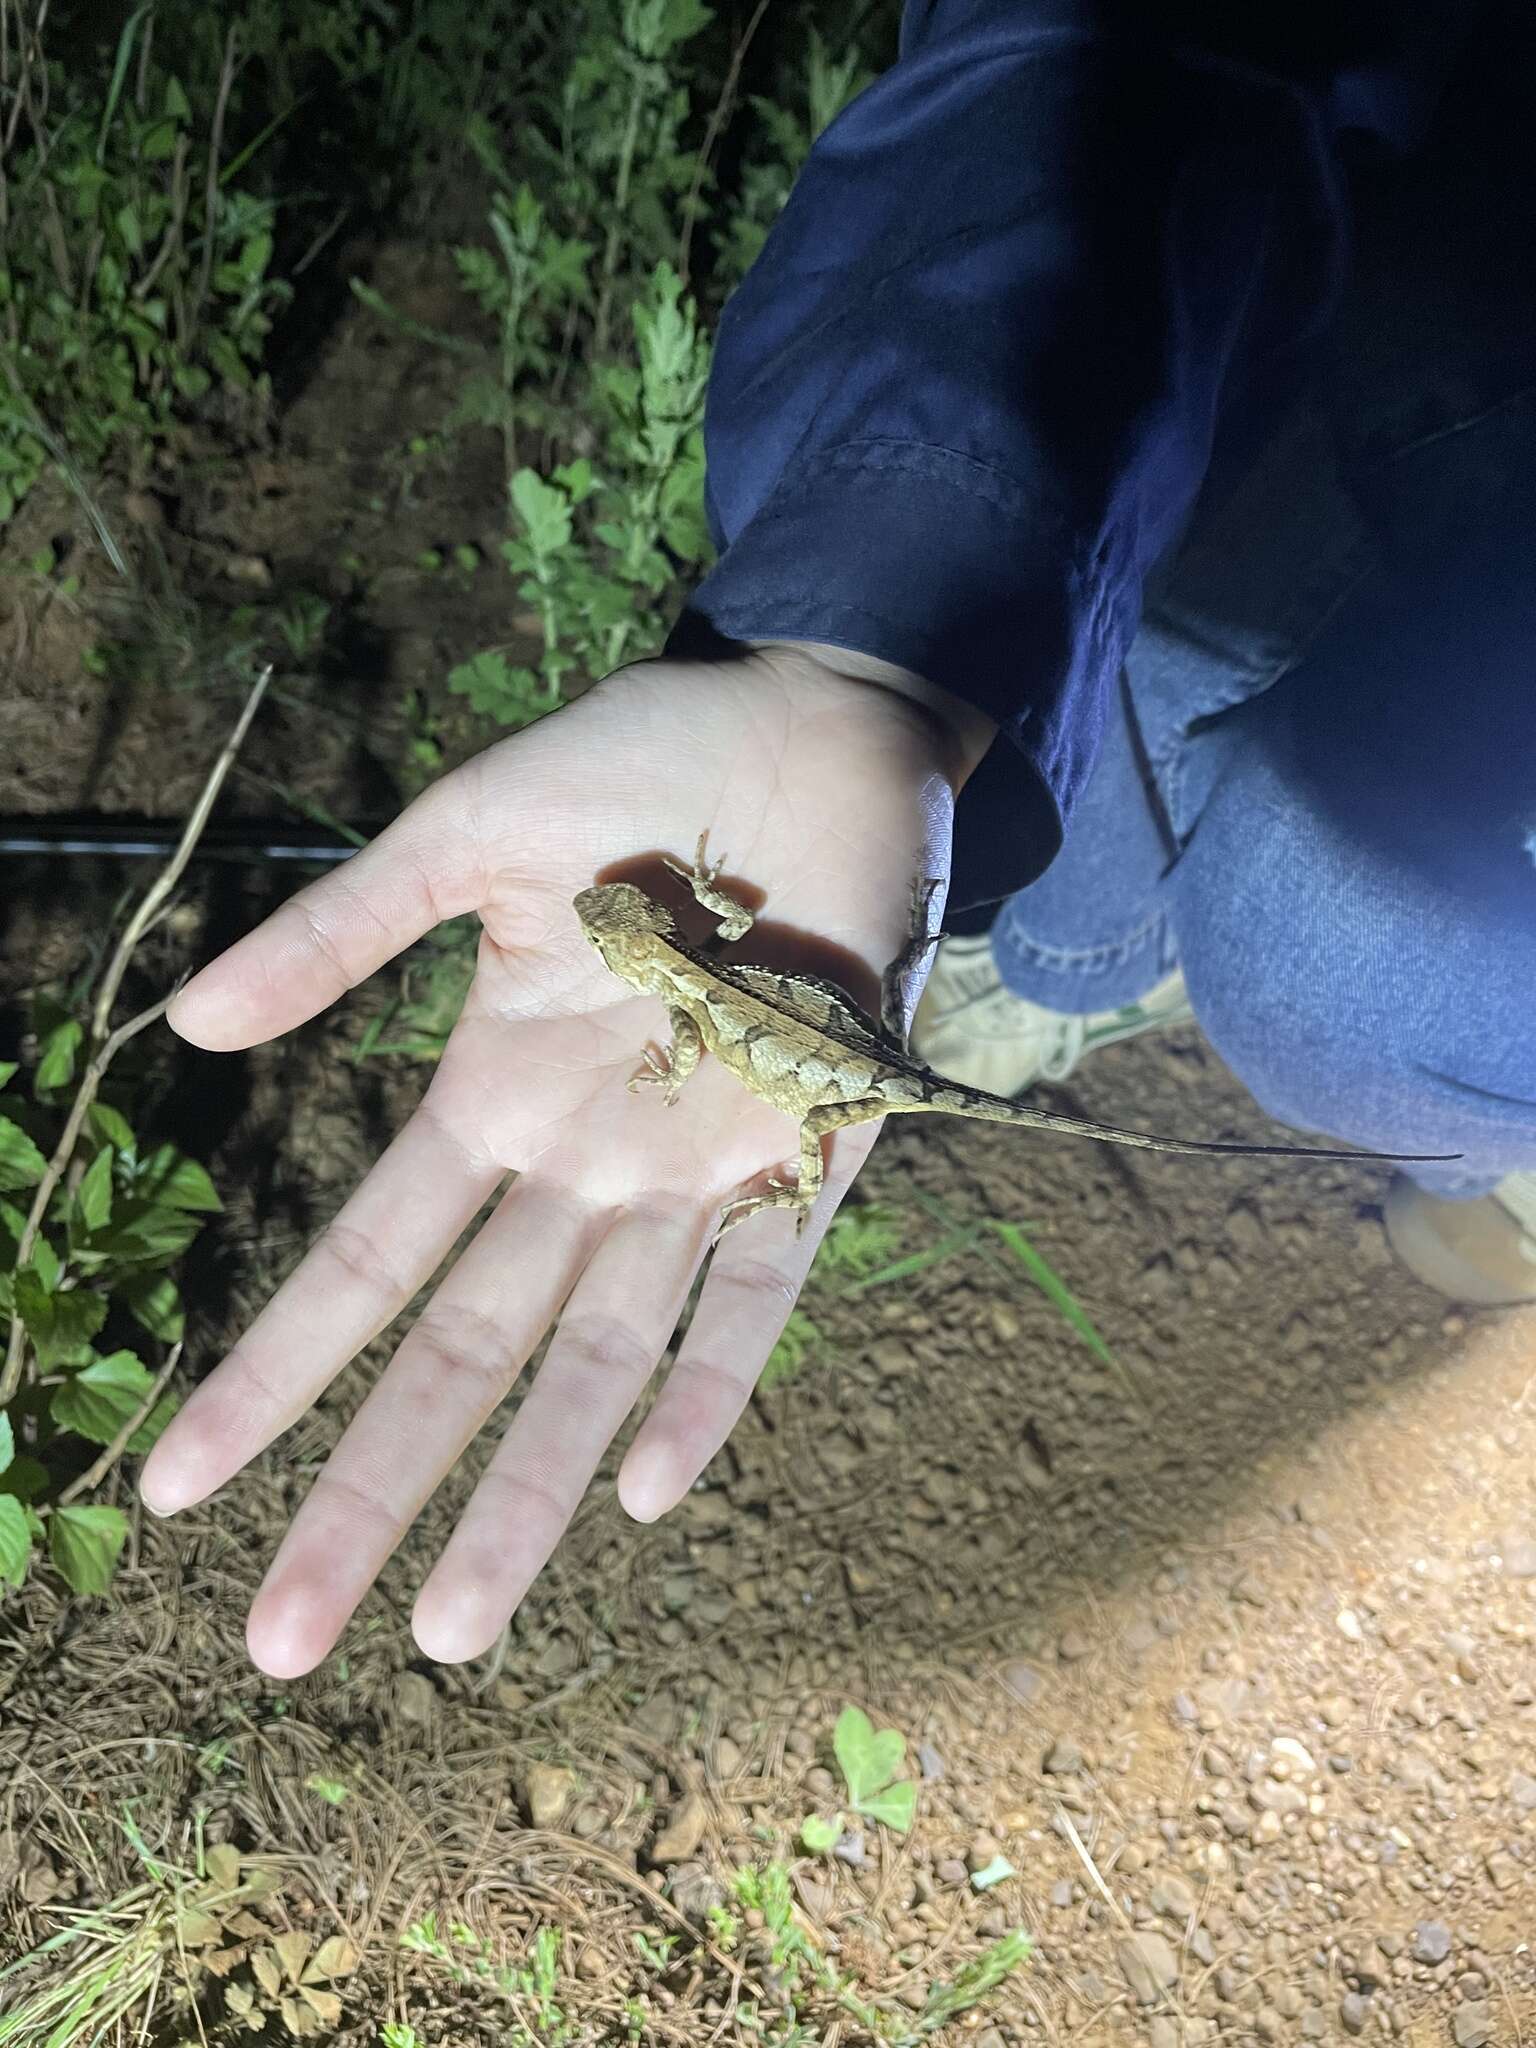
(804, 1046)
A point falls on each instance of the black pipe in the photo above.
(128, 836)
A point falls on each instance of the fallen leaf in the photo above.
(267, 1971)
(336, 1957)
(196, 1929)
(325, 2003)
(222, 1863)
(293, 1953)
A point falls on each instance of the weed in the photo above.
(134, 281)
(90, 1252)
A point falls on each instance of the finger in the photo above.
(451, 1370)
(335, 932)
(615, 1327)
(753, 1283)
(382, 1247)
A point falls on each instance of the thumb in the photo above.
(427, 865)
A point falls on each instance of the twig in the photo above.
(171, 873)
(99, 1470)
(107, 1050)
(1065, 1826)
(722, 107)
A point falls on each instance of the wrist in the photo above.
(965, 732)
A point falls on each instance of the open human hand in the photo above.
(825, 792)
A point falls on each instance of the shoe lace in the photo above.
(1065, 1050)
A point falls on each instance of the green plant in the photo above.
(797, 1340)
(134, 279)
(535, 1980)
(148, 1949)
(869, 1762)
(91, 1250)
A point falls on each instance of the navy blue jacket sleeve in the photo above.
(968, 392)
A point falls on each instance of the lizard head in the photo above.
(616, 916)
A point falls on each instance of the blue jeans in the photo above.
(1318, 792)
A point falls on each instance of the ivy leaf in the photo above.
(15, 1540)
(171, 1177)
(21, 1164)
(93, 1197)
(97, 1402)
(153, 1301)
(60, 1325)
(869, 1762)
(84, 1544)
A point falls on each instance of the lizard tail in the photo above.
(998, 1109)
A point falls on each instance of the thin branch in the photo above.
(723, 107)
(94, 1474)
(170, 874)
(105, 1051)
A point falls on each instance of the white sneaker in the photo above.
(1481, 1252)
(971, 1029)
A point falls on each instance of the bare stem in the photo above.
(105, 1049)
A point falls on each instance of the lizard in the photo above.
(801, 1044)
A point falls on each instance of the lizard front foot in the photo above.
(656, 1072)
(735, 918)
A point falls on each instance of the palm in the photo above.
(822, 792)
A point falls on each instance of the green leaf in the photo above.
(7, 1068)
(56, 1057)
(93, 1197)
(894, 1807)
(60, 1325)
(328, 1788)
(170, 1177)
(818, 1835)
(158, 142)
(545, 511)
(15, 1540)
(176, 107)
(26, 1479)
(97, 1402)
(869, 1762)
(7, 1442)
(13, 1219)
(84, 1544)
(993, 1873)
(113, 1128)
(1053, 1288)
(47, 1264)
(153, 1301)
(21, 1164)
(142, 1232)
